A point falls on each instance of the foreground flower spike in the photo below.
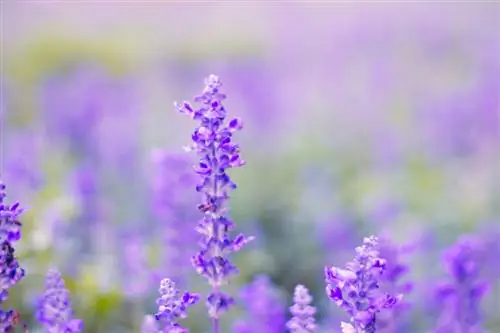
(54, 306)
(172, 306)
(264, 306)
(461, 296)
(356, 289)
(303, 320)
(217, 153)
(10, 271)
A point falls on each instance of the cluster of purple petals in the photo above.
(356, 289)
(264, 306)
(302, 320)
(10, 271)
(54, 310)
(212, 141)
(172, 306)
(462, 295)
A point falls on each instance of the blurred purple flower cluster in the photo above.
(264, 307)
(54, 309)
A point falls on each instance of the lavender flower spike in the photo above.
(10, 271)
(217, 153)
(54, 306)
(356, 289)
(303, 313)
(172, 306)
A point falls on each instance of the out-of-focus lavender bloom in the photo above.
(136, 273)
(460, 124)
(172, 206)
(303, 320)
(391, 281)
(22, 164)
(54, 310)
(217, 153)
(172, 306)
(10, 271)
(86, 191)
(75, 103)
(461, 296)
(265, 308)
(356, 289)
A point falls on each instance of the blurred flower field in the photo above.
(359, 119)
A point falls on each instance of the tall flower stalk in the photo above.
(10, 271)
(356, 289)
(212, 141)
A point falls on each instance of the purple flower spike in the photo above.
(54, 306)
(265, 308)
(461, 296)
(303, 320)
(212, 141)
(10, 271)
(172, 306)
(356, 289)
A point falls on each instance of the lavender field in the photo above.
(250, 167)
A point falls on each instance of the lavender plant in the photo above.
(10, 270)
(356, 289)
(462, 295)
(265, 308)
(54, 309)
(303, 320)
(212, 141)
(172, 306)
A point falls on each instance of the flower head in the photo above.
(172, 306)
(54, 306)
(356, 289)
(303, 313)
(10, 271)
(212, 141)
